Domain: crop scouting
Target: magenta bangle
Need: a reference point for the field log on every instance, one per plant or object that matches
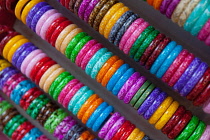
(89, 9)
(82, 8)
(205, 32)
(205, 135)
(164, 5)
(206, 106)
(207, 41)
(104, 130)
(171, 8)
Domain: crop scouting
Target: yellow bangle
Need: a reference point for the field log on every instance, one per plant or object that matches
(4, 65)
(3, 61)
(167, 115)
(113, 20)
(133, 134)
(19, 7)
(10, 43)
(15, 47)
(108, 15)
(140, 136)
(28, 8)
(161, 109)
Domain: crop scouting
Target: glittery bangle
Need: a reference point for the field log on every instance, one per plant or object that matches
(164, 5)
(198, 131)
(121, 130)
(204, 32)
(171, 8)
(203, 97)
(206, 135)
(90, 9)
(82, 8)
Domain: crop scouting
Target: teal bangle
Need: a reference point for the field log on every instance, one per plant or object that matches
(78, 47)
(139, 93)
(76, 97)
(100, 63)
(95, 59)
(55, 83)
(75, 40)
(11, 122)
(15, 126)
(39, 106)
(61, 85)
(4, 107)
(144, 96)
(188, 130)
(49, 121)
(198, 131)
(140, 40)
(81, 101)
(145, 44)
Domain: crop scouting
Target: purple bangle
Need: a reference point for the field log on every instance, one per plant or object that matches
(33, 11)
(206, 106)
(6, 76)
(155, 105)
(89, 9)
(205, 32)
(104, 130)
(148, 102)
(128, 84)
(164, 5)
(194, 79)
(114, 128)
(38, 15)
(82, 8)
(206, 134)
(134, 89)
(187, 74)
(171, 8)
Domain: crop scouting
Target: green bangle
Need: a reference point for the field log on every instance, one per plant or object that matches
(57, 121)
(78, 47)
(198, 131)
(140, 40)
(144, 96)
(82, 100)
(3, 103)
(75, 40)
(61, 85)
(188, 130)
(145, 44)
(139, 93)
(41, 104)
(55, 83)
(15, 126)
(4, 108)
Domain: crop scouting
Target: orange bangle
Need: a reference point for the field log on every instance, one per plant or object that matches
(111, 71)
(84, 136)
(19, 8)
(91, 109)
(106, 67)
(156, 4)
(86, 105)
(150, 2)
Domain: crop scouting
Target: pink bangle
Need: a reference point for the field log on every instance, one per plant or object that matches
(206, 134)
(206, 106)
(104, 130)
(83, 51)
(205, 32)
(47, 24)
(71, 94)
(134, 36)
(207, 41)
(33, 63)
(27, 60)
(129, 32)
(66, 89)
(44, 17)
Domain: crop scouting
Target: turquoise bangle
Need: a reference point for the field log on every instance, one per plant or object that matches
(100, 63)
(95, 59)
(163, 55)
(198, 131)
(168, 61)
(82, 100)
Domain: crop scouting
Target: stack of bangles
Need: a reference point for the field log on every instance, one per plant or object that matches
(15, 125)
(180, 69)
(130, 86)
(192, 15)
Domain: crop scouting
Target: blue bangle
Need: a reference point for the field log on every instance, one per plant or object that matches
(6, 76)
(168, 61)
(33, 11)
(116, 76)
(82, 100)
(38, 15)
(201, 22)
(161, 97)
(194, 79)
(99, 64)
(103, 116)
(94, 59)
(163, 55)
(76, 97)
(33, 134)
(96, 114)
(187, 74)
(196, 13)
(122, 80)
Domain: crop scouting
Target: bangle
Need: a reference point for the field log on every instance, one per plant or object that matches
(82, 8)
(156, 4)
(121, 130)
(128, 132)
(204, 32)
(15, 126)
(140, 135)
(77, 6)
(133, 134)
(171, 8)
(19, 8)
(206, 135)
(90, 9)
(206, 106)
(25, 130)
(71, 132)
(150, 2)
(68, 126)
(198, 131)
(85, 135)
(34, 133)
(164, 5)
(203, 97)
(6, 76)
(71, 5)
(50, 120)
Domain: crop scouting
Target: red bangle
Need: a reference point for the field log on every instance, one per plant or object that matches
(67, 4)
(43, 70)
(173, 120)
(10, 5)
(62, 2)
(32, 97)
(127, 133)
(199, 87)
(38, 66)
(122, 130)
(53, 26)
(20, 129)
(180, 125)
(58, 30)
(174, 66)
(3, 4)
(27, 128)
(203, 97)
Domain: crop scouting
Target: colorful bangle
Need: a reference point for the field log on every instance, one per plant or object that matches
(198, 131)
(170, 10)
(90, 9)
(19, 8)
(204, 96)
(82, 8)
(121, 130)
(204, 32)
(205, 135)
